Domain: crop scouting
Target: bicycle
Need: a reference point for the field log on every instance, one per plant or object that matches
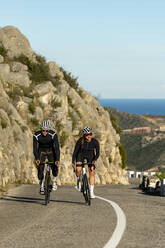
(84, 184)
(47, 182)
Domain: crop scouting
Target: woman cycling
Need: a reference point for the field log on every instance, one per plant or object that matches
(86, 148)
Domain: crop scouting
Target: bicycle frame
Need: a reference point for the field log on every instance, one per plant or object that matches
(85, 184)
(47, 185)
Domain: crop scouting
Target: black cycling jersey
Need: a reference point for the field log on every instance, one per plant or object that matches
(89, 150)
(46, 143)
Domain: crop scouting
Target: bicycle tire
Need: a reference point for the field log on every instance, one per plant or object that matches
(47, 188)
(86, 191)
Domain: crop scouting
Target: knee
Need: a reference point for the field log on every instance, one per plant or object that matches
(92, 172)
(78, 169)
(78, 173)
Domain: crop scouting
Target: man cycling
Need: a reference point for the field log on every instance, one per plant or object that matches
(86, 148)
(45, 145)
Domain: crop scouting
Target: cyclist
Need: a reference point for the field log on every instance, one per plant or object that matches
(86, 148)
(45, 145)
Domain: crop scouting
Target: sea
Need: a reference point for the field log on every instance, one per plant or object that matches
(136, 106)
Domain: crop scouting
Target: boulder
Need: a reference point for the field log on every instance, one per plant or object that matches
(18, 67)
(15, 42)
(54, 70)
(19, 78)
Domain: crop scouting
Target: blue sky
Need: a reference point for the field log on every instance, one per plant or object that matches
(116, 48)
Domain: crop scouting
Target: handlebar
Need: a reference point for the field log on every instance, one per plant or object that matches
(83, 164)
(48, 163)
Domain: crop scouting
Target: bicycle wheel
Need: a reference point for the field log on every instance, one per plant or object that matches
(47, 188)
(86, 191)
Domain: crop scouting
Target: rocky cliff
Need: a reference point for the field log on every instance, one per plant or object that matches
(32, 90)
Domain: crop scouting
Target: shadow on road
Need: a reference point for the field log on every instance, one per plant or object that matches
(23, 199)
(70, 202)
(149, 193)
(36, 200)
(135, 187)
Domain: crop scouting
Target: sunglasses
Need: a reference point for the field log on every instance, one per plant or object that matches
(44, 131)
(88, 134)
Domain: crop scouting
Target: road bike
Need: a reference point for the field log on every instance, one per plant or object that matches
(83, 184)
(47, 182)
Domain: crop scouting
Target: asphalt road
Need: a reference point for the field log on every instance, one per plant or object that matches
(25, 222)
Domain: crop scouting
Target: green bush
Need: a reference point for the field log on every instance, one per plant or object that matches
(4, 123)
(35, 122)
(74, 107)
(56, 81)
(3, 51)
(161, 176)
(110, 159)
(40, 59)
(55, 103)
(27, 91)
(72, 81)
(32, 108)
(115, 123)
(81, 93)
(70, 102)
(39, 72)
(78, 112)
(73, 119)
(59, 126)
(14, 93)
(2, 189)
(63, 138)
(24, 128)
(123, 155)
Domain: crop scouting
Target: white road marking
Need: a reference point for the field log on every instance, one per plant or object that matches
(120, 227)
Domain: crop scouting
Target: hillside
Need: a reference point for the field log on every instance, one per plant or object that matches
(129, 121)
(144, 151)
(32, 89)
(143, 158)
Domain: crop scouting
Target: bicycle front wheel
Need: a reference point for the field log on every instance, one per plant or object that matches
(47, 188)
(86, 191)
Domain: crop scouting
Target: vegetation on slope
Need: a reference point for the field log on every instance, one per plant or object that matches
(143, 158)
(139, 157)
(129, 121)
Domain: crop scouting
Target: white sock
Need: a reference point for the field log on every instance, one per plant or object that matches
(54, 179)
(92, 188)
(41, 183)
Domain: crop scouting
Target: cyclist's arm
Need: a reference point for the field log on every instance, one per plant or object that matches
(56, 147)
(97, 150)
(76, 150)
(35, 148)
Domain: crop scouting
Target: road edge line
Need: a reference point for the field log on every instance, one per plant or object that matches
(120, 227)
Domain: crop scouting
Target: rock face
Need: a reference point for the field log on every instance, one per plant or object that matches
(24, 102)
(15, 42)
